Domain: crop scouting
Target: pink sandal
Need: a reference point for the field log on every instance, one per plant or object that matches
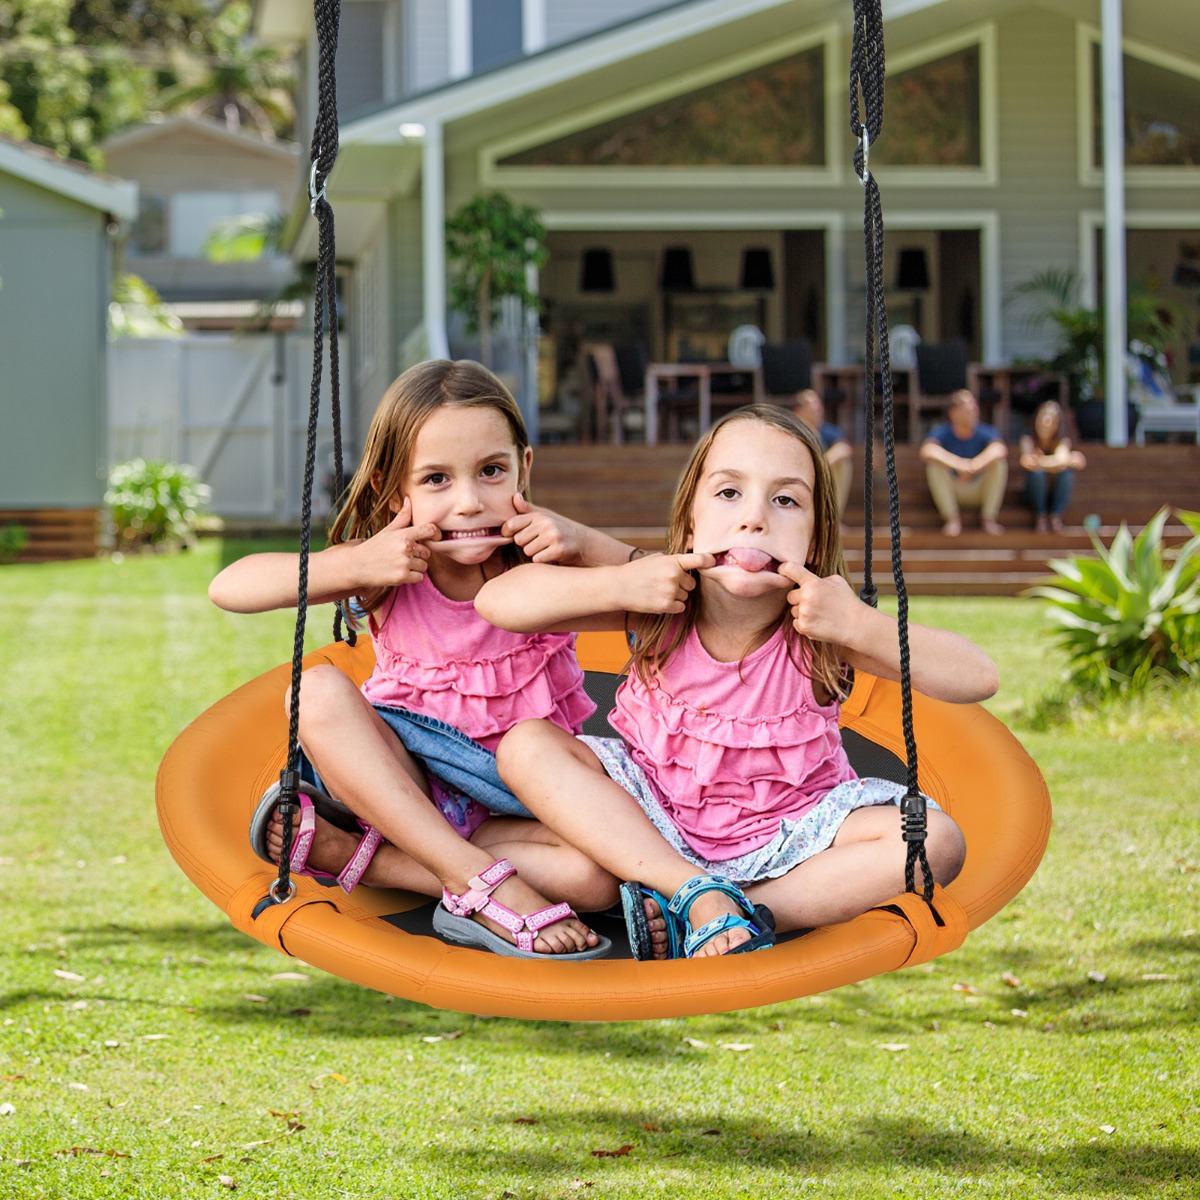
(452, 919)
(310, 799)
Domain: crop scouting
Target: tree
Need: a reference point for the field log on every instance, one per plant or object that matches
(235, 81)
(491, 242)
(73, 72)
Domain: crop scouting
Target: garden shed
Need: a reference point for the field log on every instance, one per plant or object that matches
(57, 235)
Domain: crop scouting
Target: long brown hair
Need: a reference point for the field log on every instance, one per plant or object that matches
(407, 404)
(659, 636)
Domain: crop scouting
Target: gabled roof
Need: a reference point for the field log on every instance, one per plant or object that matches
(643, 37)
(168, 127)
(75, 181)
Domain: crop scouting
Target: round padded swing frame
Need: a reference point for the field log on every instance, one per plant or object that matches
(216, 770)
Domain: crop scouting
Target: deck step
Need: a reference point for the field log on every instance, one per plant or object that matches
(627, 491)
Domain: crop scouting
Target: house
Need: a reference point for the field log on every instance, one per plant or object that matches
(59, 225)
(718, 129)
(192, 175)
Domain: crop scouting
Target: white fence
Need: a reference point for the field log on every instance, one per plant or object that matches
(233, 406)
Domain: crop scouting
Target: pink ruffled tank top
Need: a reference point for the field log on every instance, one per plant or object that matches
(438, 656)
(731, 749)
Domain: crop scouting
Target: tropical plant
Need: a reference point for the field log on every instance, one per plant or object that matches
(492, 242)
(1154, 324)
(137, 310)
(234, 81)
(1129, 616)
(155, 503)
(245, 238)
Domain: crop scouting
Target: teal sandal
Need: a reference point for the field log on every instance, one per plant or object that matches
(682, 940)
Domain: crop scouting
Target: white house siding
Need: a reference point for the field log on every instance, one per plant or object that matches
(1039, 195)
(374, 341)
(568, 19)
(428, 57)
(54, 268)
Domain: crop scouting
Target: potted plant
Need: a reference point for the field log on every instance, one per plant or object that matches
(492, 242)
(1153, 325)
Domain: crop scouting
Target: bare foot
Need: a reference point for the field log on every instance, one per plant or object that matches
(952, 527)
(990, 526)
(563, 937)
(657, 923)
(708, 906)
(331, 850)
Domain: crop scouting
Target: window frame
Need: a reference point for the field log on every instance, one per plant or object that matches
(1087, 37)
(986, 174)
(826, 37)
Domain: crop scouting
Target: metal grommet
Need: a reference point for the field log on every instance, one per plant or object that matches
(273, 891)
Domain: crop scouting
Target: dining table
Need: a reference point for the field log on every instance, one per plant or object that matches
(675, 373)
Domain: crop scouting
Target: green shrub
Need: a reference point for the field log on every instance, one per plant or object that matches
(154, 503)
(1130, 616)
(13, 539)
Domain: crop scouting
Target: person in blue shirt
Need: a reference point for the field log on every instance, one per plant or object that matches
(839, 454)
(966, 464)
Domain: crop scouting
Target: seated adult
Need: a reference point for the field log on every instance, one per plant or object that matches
(1050, 464)
(966, 464)
(839, 454)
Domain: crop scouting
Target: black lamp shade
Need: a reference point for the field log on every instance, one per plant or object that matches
(676, 270)
(596, 271)
(912, 270)
(758, 271)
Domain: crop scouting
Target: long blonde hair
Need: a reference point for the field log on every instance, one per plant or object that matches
(659, 636)
(407, 404)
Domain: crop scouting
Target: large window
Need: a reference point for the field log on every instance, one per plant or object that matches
(772, 116)
(932, 114)
(149, 235)
(1162, 114)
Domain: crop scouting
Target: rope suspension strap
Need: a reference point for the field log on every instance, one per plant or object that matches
(323, 154)
(867, 75)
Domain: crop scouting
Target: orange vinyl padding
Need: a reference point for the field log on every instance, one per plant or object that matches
(216, 770)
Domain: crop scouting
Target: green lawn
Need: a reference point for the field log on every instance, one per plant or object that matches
(147, 1049)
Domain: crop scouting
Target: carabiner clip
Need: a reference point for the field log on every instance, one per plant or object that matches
(314, 197)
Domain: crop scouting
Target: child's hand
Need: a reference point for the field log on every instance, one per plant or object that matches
(546, 537)
(397, 553)
(822, 606)
(660, 583)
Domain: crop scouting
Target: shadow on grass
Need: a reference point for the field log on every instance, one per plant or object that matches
(1063, 1007)
(882, 1144)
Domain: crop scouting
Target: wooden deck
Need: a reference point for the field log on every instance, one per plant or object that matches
(55, 534)
(627, 491)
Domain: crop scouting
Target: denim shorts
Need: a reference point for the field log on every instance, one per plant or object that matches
(465, 770)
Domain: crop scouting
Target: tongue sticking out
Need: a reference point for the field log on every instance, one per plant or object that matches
(747, 558)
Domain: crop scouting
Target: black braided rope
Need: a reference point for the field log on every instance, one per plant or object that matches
(867, 73)
(324, 153)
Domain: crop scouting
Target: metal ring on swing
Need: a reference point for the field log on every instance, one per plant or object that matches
(865, 142)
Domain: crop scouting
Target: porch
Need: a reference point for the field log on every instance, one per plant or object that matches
(594, 484)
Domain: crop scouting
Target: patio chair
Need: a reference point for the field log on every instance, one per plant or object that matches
(941, 371)
(612, 409)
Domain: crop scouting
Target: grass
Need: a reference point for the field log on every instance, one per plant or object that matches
(147, 1049)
